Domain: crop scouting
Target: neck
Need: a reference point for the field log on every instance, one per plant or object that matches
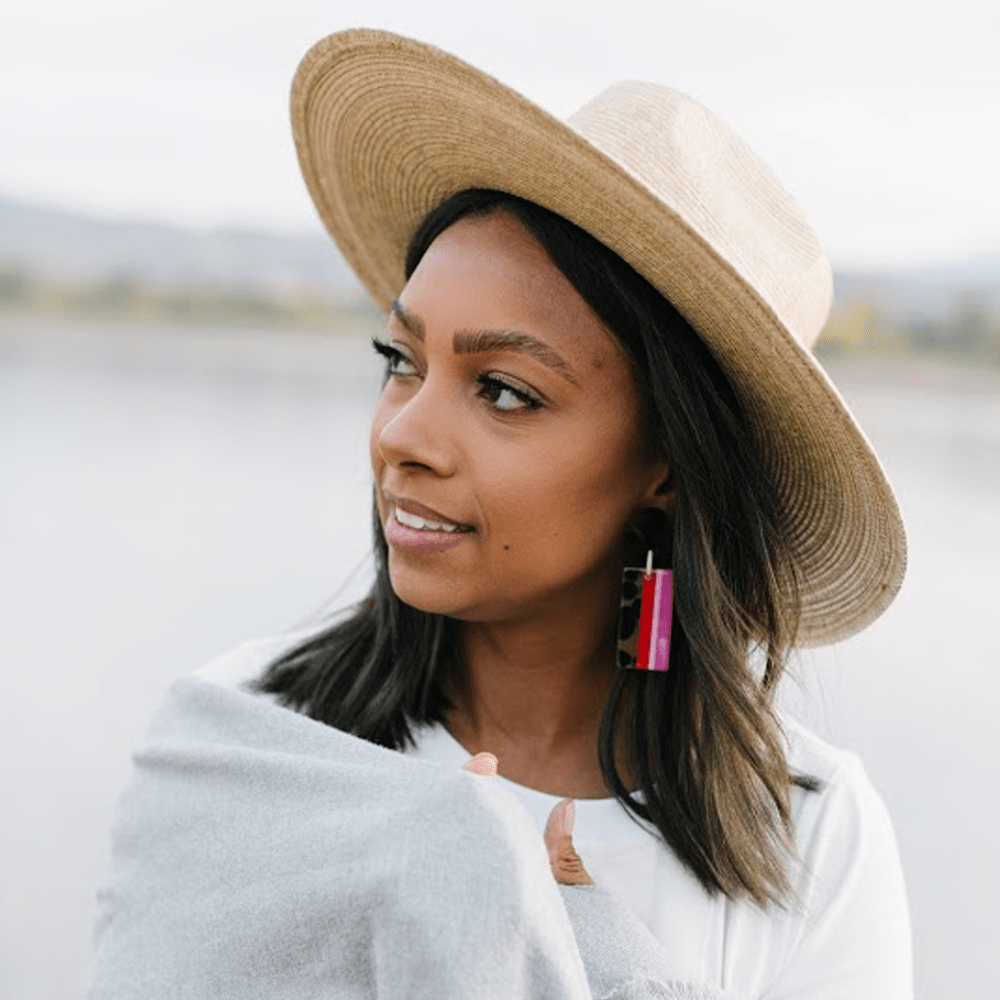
(532, 692)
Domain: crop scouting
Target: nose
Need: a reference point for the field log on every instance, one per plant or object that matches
(416, 432)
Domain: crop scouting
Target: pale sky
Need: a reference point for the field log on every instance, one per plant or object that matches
(881, 116)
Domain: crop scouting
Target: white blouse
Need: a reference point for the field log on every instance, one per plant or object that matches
(846, 938)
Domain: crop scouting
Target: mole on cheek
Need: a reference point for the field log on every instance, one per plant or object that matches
(506, 546)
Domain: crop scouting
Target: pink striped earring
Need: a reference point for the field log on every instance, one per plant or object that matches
(645, 616)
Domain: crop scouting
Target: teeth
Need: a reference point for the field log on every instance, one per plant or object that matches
(420, 523)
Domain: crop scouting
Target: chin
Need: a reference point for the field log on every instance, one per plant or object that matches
(430, 592)
(436, 594)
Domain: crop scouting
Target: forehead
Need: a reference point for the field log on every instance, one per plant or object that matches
(491, 273)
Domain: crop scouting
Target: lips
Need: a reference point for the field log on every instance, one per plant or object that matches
(419, 517)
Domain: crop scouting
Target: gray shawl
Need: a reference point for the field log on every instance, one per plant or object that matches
(259, 853)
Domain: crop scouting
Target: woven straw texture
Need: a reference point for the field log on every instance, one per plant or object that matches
(386, 128)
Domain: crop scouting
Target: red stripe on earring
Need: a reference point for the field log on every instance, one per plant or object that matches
(642, 657)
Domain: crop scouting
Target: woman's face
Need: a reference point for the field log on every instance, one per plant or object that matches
(507, 448)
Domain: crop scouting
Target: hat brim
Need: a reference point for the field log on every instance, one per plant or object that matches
(386, 128)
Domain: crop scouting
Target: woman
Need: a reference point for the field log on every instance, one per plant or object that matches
(596, 360)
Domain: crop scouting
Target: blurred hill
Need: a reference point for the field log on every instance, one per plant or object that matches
(54, 261)
(70, 264)
(924, 294)
(70, 247)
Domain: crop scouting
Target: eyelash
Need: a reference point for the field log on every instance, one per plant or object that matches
(391, 355)
(489, 384)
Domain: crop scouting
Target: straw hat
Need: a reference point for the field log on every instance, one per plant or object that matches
(386, 128)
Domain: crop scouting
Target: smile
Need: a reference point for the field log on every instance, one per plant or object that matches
(423, 524)
(411, 525)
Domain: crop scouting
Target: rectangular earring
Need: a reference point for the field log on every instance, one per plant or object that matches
(645, 616)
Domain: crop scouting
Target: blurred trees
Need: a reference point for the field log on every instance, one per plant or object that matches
(123, 297)
(967, 331)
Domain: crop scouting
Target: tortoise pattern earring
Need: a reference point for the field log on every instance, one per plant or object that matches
(645, 616)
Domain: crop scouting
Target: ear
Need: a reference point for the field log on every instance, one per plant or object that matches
(661, 492)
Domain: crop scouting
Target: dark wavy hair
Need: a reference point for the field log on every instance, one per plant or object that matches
(702, 743)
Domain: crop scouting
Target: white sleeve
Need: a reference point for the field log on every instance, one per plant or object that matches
(854, 942)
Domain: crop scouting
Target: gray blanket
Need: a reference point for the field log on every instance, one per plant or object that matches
(259, 853)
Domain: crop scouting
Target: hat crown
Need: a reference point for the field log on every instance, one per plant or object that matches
(707, 175)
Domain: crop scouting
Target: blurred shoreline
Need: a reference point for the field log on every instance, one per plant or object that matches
(283, 350)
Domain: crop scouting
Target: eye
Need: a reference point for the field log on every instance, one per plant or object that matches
(396, 362)
(504, 395)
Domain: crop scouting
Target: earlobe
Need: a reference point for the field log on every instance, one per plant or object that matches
(651, 527)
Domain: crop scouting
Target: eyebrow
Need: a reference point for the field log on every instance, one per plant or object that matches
(483, 341)
(411, 323)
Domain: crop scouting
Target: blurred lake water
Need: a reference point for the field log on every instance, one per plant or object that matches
(165, 494)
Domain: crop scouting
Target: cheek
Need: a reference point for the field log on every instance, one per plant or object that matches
(375, 457)
(380, 418)
(569, 500)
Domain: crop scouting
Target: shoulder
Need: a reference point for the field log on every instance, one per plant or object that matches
(245, 663)
(845, 814)
(844, 820)
(810, 754)
(848, 881)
